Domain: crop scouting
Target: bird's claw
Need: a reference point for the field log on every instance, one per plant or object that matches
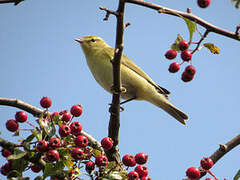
(116, 91)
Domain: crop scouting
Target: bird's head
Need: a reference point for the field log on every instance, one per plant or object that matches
(91, 43)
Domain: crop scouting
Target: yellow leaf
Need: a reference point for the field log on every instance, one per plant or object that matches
(214, 49)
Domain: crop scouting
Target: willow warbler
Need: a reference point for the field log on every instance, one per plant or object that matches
(137, 83)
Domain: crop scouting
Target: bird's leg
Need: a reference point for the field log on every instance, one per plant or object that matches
(114, 91)
(128, 100)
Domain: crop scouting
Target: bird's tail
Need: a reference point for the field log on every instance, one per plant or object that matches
(164, 104)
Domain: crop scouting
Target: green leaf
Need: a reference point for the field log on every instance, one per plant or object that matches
(175, 44)
(48, 126)
(39, 178)
(67, 160)
(214, 49)
(237, 3)
(14, 175)
(18, 154)
(175, 47)
(115, 176)
(37, 134)
(96, 152)
(60, 123)
(50, 129)
(237, 176)
(20, 164)
(49, 170)
(60, 165)
(53, 169)
(68, 163)
(179, 38)
(30, 138)
(56, 118)
(191, 28)
(18, 178)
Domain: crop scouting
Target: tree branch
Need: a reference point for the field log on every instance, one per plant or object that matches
(37, 112)
(223, 149)
(192, 17)
(114, 123)
(16, 2)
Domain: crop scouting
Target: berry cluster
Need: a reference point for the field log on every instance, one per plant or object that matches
(186, 56)
(69, 147)
(195, 172)
(140, 171)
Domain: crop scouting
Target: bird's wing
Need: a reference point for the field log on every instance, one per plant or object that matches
(125, 61)
(131, 65)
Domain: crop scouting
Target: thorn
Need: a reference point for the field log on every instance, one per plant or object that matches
(127, 24)
(223, 147)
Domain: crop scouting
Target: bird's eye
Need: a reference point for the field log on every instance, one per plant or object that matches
(93, 40)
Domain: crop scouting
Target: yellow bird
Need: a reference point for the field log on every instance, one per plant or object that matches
(138, 84)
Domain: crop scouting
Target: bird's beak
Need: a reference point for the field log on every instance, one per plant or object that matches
(79, 40)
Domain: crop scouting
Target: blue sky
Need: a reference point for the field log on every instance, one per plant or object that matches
(39, 57)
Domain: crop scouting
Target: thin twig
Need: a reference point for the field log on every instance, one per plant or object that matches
(210, 27)
(200, 41)
(108, 12)
(237, 30)
(16, 2)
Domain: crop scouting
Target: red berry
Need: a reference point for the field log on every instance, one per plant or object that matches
(90, 166)
(133, 175)
(141, 170)
(203, 3)
(76, 110)
(171, 54)
(206, 163)
(174, 67)
(145, 178)
(208, 179)
(46, 102)
(129, 160)
(6, 168)
(193, 173)
(6, 153)
(66, 116)
(81, 141)
(141, 158)
(77, 153)
(52, 155)
(42, 146)
(64, 130)
(35, 168)
(107, 143)
(76, 128)
(191, 70)
(183, 45)
(101, 160)
(12, 125)
(186, 55)
(21, 116)
(186, 77)
(54, 143)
